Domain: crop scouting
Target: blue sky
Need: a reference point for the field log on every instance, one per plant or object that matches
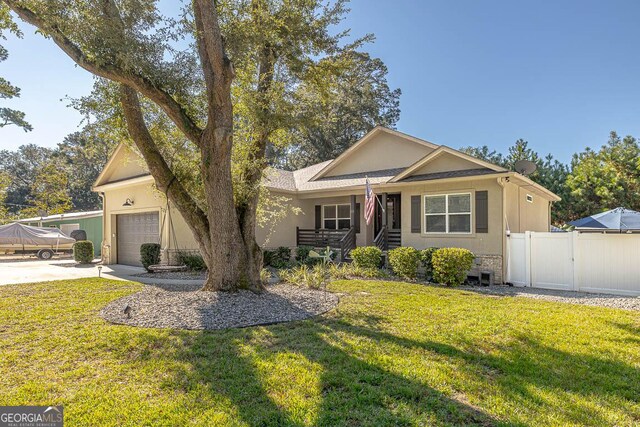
(560, 74)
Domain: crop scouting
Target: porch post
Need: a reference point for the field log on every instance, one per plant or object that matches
(353, 210)
(384, 221)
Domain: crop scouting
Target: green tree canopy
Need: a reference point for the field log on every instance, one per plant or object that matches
(49, 192)
(607, 178)
(9, 116)
(22, 166)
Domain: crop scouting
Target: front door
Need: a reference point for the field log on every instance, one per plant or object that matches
(392, 213)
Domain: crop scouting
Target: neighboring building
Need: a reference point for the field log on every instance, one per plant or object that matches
(90, 222)
(434, 196)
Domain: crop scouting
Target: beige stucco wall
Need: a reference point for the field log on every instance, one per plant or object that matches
(523, 215)
(446, 162)
(479, 243)
(283, 233)
(125, 164)
(383, 151)
(145, 199)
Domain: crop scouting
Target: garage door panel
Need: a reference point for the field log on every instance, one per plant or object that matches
(132, 231)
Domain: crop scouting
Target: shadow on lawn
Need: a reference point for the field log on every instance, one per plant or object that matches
(356, 392)
(352, 391)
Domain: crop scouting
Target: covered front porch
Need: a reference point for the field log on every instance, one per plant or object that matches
(337, 225)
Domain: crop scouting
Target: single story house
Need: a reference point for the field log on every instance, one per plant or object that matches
(90, 222)
(432, 195)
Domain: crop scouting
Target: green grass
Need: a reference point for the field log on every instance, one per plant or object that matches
(390, 354)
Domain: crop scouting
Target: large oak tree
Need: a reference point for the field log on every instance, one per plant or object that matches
(217, 83)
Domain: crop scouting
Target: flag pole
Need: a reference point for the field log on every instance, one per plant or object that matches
(377, 200)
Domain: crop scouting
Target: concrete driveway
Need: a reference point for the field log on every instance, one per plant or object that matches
(30, 271)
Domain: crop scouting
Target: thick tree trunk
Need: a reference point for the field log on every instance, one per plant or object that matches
(235, 258)
(225, 235)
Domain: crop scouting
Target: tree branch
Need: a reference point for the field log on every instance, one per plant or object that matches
(217, 67)
(140, 83)
(165, 179)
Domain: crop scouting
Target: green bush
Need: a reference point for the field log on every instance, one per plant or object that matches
(302, 255)
(451, 265)
(149, 254)
(426, 256)
(277, 258)
(193, 261)
(367, 256)
(83, 251)
(404, 262)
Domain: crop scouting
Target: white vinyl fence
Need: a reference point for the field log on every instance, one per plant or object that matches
(586, 262)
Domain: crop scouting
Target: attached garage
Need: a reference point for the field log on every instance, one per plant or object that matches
(132, 230)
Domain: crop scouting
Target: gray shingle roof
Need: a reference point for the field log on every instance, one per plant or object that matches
(299, 180)
(279, 179)
(448, 174)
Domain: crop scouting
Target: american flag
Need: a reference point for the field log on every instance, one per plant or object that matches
(370, 203)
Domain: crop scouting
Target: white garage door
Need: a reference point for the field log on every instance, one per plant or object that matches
(132, 231)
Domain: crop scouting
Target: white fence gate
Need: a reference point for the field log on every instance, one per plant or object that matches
(587, 262)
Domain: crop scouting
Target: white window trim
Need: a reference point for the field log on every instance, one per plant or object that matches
(336, 219)
(447, 214)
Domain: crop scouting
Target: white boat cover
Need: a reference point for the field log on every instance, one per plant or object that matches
(20, 234)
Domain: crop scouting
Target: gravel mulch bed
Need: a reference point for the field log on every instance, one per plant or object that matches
(175, 275)
(185, 307)
(602, 300)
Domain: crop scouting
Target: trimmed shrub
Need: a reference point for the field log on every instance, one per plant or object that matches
(149, 254)
(193, 261)
(404, 262)
(367, 256)
(451, 265)
(277, 258)
(426, 256)
(83, 251)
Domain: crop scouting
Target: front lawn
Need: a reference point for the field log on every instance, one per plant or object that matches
(390, 354)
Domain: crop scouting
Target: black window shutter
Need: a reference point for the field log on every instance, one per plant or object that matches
(415, 214)
(357, 224)
(482, 212)
(318, 217)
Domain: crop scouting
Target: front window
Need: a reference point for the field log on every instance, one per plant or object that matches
(336, 217)
(447, 213)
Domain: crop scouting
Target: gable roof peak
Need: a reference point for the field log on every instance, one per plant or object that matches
(363, 141)
(443, 149)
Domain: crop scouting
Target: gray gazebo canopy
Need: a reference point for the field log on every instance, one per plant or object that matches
(20, 234)
(618, 219)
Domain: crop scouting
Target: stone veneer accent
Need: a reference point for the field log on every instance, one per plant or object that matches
(491, 263)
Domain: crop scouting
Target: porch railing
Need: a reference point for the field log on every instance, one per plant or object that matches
(394, 239)
(381, 239)
(388, 239)
(319, 237)
(344, 240)
(348, 243)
